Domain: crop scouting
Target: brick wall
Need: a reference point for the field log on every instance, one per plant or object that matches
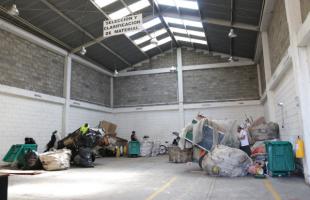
(164, 60)
(189, 57)
(28, 66)
(262, 73)
(145, 89)
(89, 85)
(278, 35)
(196, 57)
(305, 8)
(220, 84)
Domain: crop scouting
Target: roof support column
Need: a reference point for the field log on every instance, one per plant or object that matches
(180, 88)
(301, 67)
(112, 91)
(270, 94)
(67, 94)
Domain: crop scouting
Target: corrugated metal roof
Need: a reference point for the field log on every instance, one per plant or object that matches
(120, 51)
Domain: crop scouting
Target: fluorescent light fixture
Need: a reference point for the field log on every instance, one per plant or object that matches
(160, 42)
(179, 3)
(139, 5)
(142, 39)
(83, 51)
(232, 33)
(192, 40)
(13, 11)
(151, 23)
(104, 3)
(119, 14)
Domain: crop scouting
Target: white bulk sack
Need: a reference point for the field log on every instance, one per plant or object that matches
(146, 147)
(56, 160)
(226, 161)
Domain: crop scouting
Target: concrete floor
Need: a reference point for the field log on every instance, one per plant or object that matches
(150, 178)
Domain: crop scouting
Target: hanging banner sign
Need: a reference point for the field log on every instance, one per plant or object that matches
(123, 25)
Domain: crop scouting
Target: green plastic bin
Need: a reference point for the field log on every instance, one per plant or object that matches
(17, 152)
(133, 148)
(280, 158)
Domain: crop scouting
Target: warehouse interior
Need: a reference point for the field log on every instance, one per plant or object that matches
(192, 66)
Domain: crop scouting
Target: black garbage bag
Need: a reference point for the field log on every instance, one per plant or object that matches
(84, 158)
(105, 152)
(90, 139)
(31, 161)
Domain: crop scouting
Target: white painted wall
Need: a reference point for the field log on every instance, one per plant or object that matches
(23, 117)
(160, 124)
(285, 93)
(157, 124)
(266, 110)
(227, 113)
(23, 114)
(79, 116)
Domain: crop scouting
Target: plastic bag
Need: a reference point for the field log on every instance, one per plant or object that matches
(146, 147)
(84, 157)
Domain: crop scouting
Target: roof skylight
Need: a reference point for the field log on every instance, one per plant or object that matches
(192, 40)
(139, 5)
(190, 32)
(151, 23)
(104, 3)
(119, 14)
(160, 42)
(147, 37)
(179, 3)
(185, 21)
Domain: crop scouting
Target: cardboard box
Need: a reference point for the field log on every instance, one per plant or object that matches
(109, 127)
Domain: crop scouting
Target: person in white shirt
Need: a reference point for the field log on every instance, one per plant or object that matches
(244, 140)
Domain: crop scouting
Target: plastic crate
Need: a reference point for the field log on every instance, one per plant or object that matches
(17, 151)
(133, 148)
(280, 158)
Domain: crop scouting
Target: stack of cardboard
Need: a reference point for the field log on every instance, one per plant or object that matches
(108, 127)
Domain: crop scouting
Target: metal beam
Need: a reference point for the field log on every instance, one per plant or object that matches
(157, 9)
(52, 7)
(180, 16)
(102, 38)
(204, 28)
(126, 6)
(228, 24)
(25, 22)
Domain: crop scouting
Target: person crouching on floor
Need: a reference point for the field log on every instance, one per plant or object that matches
(244, 140)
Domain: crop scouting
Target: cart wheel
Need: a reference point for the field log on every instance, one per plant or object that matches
(200, 160)
(162, 149)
